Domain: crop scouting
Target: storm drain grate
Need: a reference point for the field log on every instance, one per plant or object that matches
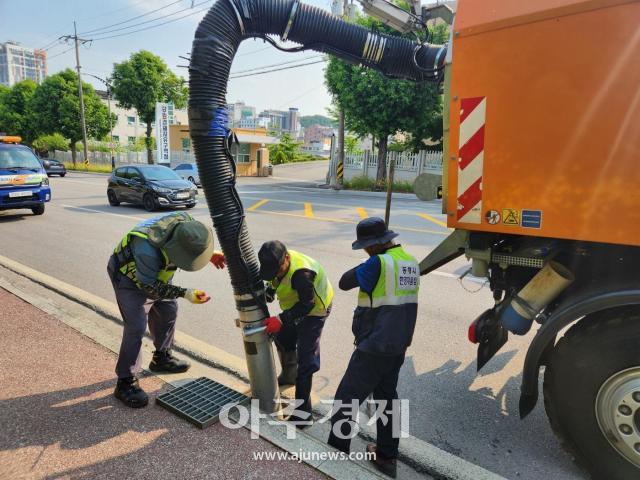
(200, 401)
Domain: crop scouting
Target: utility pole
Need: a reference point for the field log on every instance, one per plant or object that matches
(77, 42)
(339, 172)
(107, 83)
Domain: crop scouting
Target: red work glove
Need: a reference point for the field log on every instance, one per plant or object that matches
(273, 324)
(218, 260)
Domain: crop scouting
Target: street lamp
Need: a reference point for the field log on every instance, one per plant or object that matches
(107, 83)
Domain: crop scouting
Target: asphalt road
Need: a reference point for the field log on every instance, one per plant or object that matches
(471, 415)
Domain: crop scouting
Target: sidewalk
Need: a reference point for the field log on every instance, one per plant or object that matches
(60, 420)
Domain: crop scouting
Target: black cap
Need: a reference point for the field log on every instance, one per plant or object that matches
(372, 231)
(271, 255)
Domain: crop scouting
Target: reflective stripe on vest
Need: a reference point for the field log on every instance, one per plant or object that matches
(158, 225)
(398, 283)
(288, 297)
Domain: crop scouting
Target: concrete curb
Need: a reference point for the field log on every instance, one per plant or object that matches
(418, 454)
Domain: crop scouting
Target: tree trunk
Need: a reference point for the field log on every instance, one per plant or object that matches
(382, 164)
(73, 153)
(148, 143)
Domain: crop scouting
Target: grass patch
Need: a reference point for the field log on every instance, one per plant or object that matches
(81, 167)
(367, 184)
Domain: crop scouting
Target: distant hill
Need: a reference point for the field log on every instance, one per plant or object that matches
(307, 120)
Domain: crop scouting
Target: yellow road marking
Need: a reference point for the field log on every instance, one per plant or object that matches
(308, 210)
(257, 205)
(362, 212)
(431, 219)
(338, 220)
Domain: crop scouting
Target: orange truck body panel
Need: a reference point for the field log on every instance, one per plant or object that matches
(546, 95)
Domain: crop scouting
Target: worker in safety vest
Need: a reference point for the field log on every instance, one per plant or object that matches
(383, 325)
(305, 295)
(141, 269)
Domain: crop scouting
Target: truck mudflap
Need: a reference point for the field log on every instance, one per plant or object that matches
(489, 334)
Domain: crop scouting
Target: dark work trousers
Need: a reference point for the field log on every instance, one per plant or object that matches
(303, 336)
(366, 374)
(137, 310)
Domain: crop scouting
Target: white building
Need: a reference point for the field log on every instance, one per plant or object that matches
(129, 126)
(251, 123)
(19, 63)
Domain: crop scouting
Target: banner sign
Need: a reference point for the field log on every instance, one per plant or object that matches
(162, 134)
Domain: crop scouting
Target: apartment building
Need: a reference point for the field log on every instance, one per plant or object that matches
(19, 63)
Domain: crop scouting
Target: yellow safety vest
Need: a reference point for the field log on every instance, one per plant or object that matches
(156, 231)
(288, 297)
(398, 283)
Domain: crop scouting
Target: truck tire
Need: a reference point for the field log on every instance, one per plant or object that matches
(591, 386)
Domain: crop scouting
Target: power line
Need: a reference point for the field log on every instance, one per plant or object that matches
(278, 69)
(157, 25)
(56, 37)
(96, 31)
(112, 11)
(290, 101)
(61, 53)
(255, 51)
(275, 65)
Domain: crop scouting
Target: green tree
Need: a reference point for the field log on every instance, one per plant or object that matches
(285, 151)
(55, 108)
(351, 144)
(141, 82)
(48, 143)
(14, 110)
(376, 105)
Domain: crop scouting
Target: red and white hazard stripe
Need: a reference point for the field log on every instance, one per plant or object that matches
(470, 159)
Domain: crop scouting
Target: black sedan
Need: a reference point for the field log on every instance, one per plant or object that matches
(53, 167)
(153, 186)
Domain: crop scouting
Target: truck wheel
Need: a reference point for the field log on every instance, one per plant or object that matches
(592, 393)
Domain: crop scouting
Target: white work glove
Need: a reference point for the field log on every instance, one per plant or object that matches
(197, 296)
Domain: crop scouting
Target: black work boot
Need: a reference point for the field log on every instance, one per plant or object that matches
(302, 416)
(289, 364)
(388, 466)
(165, 362)
(128, 391)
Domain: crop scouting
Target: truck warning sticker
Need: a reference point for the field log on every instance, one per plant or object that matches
(492, 217)
(531, 218)
(510, 216)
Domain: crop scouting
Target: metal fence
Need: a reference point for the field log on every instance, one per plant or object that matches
(104, 158)
(408, 165)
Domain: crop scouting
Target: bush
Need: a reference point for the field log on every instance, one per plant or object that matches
(366, 183)
(49, 143)
(81, 167)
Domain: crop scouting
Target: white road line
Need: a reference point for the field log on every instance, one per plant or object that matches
(104, 213)
(87, 184)
(329, 205)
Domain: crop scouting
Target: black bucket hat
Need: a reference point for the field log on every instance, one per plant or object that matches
(372, 231)
(271, 255)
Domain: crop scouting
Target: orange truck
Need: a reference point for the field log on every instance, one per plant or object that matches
(542, 186)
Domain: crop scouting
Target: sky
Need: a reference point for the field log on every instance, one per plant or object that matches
(39, 23)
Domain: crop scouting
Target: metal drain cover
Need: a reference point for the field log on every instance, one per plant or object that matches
(200, 401)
